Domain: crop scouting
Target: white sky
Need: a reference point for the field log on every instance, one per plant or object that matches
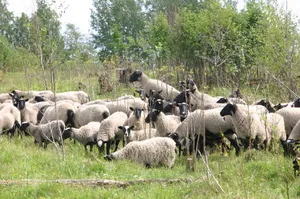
(78, 11)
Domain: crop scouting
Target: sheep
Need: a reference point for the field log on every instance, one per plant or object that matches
(194, 98)
(10, 118)
(215, 127)
(164, 124)
(247, 125)
(109, 131)
(137, 119)
(76, 96)
(86, 135)
(131, 134)
(102, 102)
(29, 112)
(47, 94)
(276, 126)
(291, 116)
(124, 105)
(4, 97)
(168, 92)
(88, 113)
(158, 151)
(267, 104)
(45, 133)
(62, 111)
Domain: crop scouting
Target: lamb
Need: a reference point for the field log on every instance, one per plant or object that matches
(247, 126)
(45, 133)
(124, 105)
(164, 124)
(291, 116)
(109, 131)
(88, 113)
(76, 96)
(137, 119)
(168, 92)
(86, 135)
(62, 111)
(137, 135)
(158, 151)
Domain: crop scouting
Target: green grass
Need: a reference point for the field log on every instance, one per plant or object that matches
(254, 174)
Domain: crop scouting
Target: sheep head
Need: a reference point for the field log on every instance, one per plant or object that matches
(135, 76)
(229, 109)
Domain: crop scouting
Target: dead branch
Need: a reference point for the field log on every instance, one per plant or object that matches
(98, 182)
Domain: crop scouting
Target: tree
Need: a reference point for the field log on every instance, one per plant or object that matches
(21, 34)
(117, 25)
(6, 21)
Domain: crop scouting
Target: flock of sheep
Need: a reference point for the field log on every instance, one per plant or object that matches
(152, 125)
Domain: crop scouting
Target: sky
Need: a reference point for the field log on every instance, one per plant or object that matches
(77, 12)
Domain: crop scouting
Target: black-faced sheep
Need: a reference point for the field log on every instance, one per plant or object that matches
(86, 135)
(137, 119)
(137, 135)
(75, 96)
(45, 133)
(164, 124)
(158, 151)
(89, 113)
(109, 130)
(248, 127)
(168, 92)
(291, 116)
(124, 105)
(60, 111)
(10, 118)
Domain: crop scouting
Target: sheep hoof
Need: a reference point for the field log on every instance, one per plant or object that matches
(108, 158)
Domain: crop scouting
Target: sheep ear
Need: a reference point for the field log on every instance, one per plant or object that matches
(132, 127)
(121, 127)
(131, 108)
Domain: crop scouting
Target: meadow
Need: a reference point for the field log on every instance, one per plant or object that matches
(28, 171)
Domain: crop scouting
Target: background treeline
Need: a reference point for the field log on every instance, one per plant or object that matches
(211, 41)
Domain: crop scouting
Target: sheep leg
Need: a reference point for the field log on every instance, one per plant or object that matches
(117, 144)
(107, 147)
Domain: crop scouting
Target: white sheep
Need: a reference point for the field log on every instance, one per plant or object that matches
(213, 125)
(31, 94)
(60, 111)
(88, 113)
(291, 116)
(109, 130)
(137, 119)
(248, 126)
(168, 92)
(137, 135)
(86, 135)
(4, 97)
(75, 96)
(158, 151)
(124, 105)
(45, 133)
(164, 124)
(10, 118)
(276, 127)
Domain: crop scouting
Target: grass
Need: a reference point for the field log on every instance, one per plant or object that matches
(253, 174)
